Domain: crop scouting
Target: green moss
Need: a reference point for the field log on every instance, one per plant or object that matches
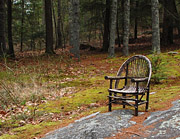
(163, 94)
(5, 74)
(177, 57)
(7, 136)
(76, 83)
(76, 100)
(29, 131)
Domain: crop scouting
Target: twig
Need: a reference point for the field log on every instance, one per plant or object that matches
(7, 67)
(132, 133)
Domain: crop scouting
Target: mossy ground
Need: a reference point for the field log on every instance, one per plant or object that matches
(88, 95)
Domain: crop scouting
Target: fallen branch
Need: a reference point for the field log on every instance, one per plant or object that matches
(132, 133)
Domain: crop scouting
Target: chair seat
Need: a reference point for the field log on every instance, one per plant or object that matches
(127, 90)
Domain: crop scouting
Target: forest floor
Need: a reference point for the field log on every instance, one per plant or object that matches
(41, 93)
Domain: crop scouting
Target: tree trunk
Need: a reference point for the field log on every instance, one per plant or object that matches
(2, 28)
(113, 17)
(9, 19)
(117, 27)
(118, 34)
(122, 23)
(176, 16)
(155, 27)
(49, 27)
(33, 47)
(22, 25)
(74, 28)
(167, 36)
(55, 25)
(126, 27)
(59, 45)
(136, 20)
(106, 27)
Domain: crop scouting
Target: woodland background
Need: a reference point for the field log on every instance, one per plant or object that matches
(49, 24)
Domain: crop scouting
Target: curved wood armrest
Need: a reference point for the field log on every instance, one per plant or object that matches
(113, 77)
(139, 79)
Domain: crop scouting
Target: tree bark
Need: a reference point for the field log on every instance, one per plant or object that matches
(49, 27)
(22, 25)
(74, 28)
(176, 16)
(9, 19)
(118, 34)
(168, 21)
(126, 27)
(136, 20)
(59, 34)
(155, 27)
(2, 28)
(106, 27)
(113, 28)
(55, 25)
(117, 27)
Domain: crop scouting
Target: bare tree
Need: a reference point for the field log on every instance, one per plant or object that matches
(126, 25)
(9, 19)
(136, 19)
(170, 18)
(22, 25)
(155, 27)
(106, 27)
(59, 34)
(49, 27)
(55, 24)
(2, 28)
(112, 28)
(74, 27)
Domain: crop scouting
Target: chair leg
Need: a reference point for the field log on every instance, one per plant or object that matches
(110, 101)
(124, 106)
(110, 105)
(136, 106)
(147, 99)
(136, 111)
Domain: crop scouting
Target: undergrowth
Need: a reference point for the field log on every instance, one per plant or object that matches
(158, 68)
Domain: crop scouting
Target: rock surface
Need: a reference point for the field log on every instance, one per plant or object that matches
(101, 126)
(163, 125)
(166, 124)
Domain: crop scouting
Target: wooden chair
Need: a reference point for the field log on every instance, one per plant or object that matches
(132, 83)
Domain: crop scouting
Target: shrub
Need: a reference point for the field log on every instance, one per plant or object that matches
(158, 68)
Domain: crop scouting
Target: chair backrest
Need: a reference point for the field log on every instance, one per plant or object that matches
(137, 66)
